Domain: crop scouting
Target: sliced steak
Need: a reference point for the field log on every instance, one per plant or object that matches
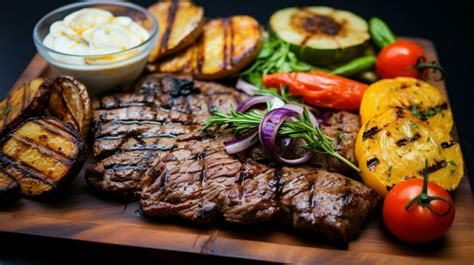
(200, 180)
(328, 203)
(133, 130)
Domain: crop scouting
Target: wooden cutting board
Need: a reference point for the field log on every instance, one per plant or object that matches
(82, 216)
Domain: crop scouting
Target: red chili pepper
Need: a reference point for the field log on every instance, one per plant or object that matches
(320, 89)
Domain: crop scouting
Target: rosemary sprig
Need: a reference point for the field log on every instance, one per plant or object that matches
(316, 140)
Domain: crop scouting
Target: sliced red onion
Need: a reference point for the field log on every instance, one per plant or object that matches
(253, 101)
(299, 109)
(241, 143)
(246, 87)
(268, 132)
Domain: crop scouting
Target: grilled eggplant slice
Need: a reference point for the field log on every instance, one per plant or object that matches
(42, 154)
(9, 189)
(70, 102)
(28, 99)
(226, 46)
(180, 24)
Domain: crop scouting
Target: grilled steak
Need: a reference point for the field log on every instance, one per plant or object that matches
(328, 203)
(150, 139)
(133, 130)
(199, 181)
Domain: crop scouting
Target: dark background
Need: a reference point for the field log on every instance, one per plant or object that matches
(449, 24)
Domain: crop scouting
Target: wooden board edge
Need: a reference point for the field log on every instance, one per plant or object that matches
(200, 244)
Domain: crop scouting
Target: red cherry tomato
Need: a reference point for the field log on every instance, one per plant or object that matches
(418, 223)
(399, 59)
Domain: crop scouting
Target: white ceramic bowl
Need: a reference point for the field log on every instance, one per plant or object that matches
(99, 77)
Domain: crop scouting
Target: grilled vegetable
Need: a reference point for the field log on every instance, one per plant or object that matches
(422, 99)
(9, 189)
(226, 46)
(393, 145)
(321, 36)
(29, 98)
(320, 89)
(42, 154)
(70, 102)
(180, 24)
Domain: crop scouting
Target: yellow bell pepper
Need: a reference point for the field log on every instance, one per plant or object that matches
(422, 99)
(393, 145)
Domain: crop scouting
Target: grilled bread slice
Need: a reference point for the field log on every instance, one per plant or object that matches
(9, 189)
(25, 100)
(180, 24)
(226, 46)
(70, 102)
(42, 154)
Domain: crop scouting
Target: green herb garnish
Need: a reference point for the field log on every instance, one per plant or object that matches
(316, 139)
(274, 57)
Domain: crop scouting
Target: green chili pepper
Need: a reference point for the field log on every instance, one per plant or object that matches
(380, 32)
(356, 66)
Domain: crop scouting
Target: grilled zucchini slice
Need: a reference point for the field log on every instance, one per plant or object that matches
(180, 24)
(226, 46)
(9, 189)
(422, 99)
(393, 146)
(70, 102)
(321, 36)
(42, 154)
(28, 99)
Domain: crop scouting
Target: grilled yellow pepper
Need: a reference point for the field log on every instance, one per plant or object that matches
(422, 99)
(393, 145)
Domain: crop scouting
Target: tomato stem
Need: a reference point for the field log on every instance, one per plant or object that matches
(421, 66)
(424, 200)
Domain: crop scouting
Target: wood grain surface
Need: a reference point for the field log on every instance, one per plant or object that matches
(77, 214)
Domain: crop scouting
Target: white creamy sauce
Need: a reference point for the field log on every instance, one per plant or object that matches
(92, 31)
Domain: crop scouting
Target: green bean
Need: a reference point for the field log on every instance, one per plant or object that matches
(356, 66)
(380, 32)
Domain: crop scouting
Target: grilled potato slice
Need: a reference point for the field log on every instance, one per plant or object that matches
(42, 154)
(25, 100)
(180, 24)
(422, 99)
(226, 46)
(9, 189)
(70, 102)
(393, 146)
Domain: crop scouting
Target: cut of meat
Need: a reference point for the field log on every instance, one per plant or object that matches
(134, 130)
(328, 203)
(199, 181)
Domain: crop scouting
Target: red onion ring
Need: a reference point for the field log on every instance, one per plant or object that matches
(253, 101)
(268, 130)
(246, 87)
(241, 143)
